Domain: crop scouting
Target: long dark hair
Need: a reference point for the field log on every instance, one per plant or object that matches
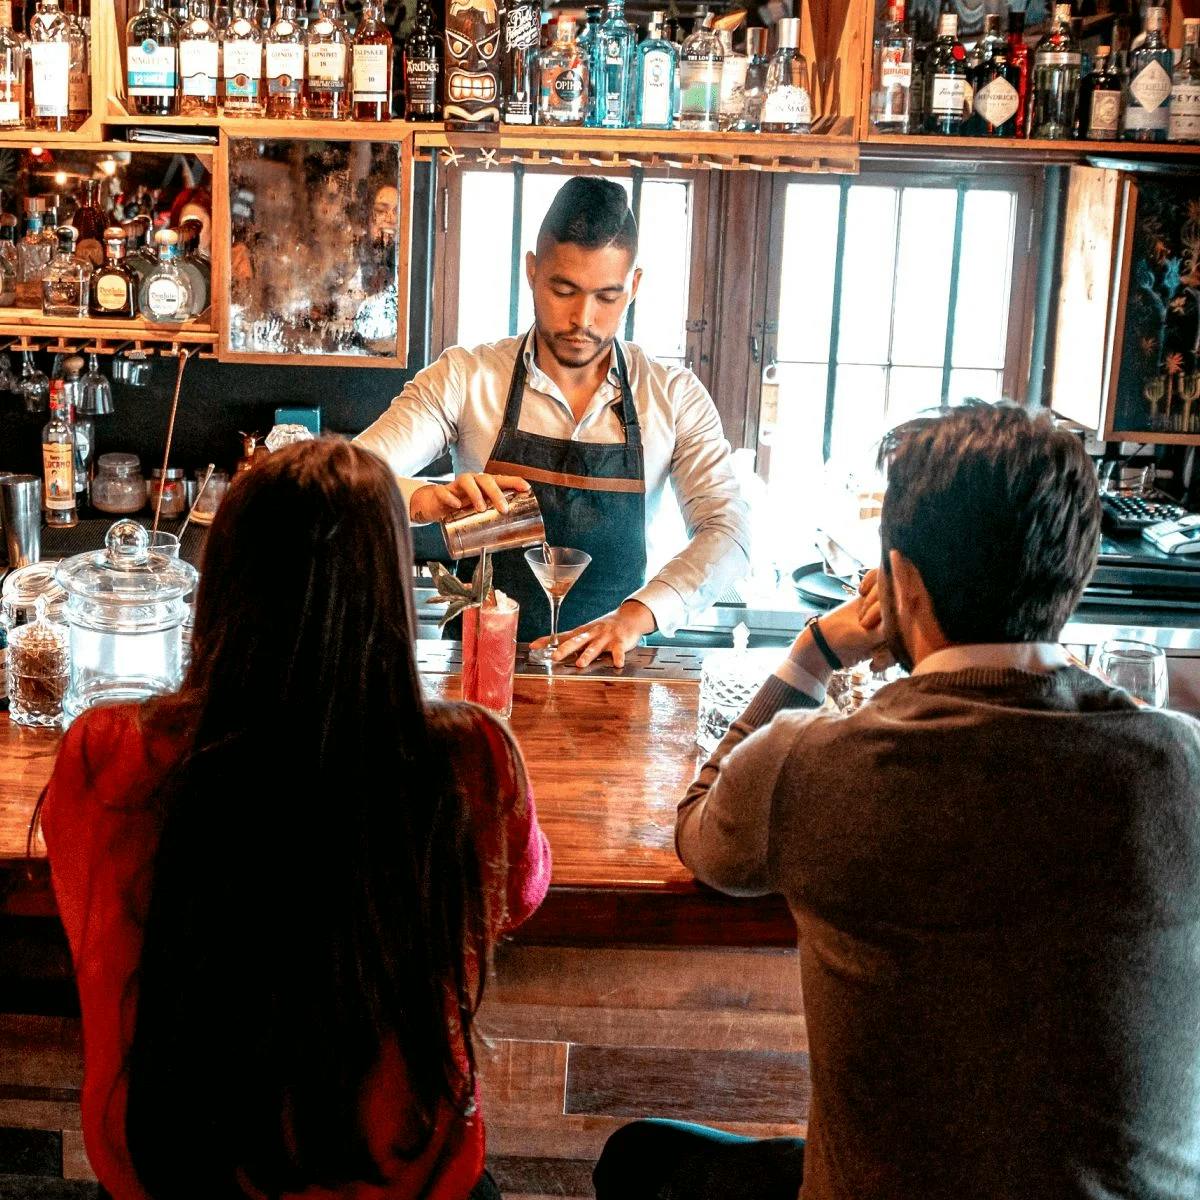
(316, 891)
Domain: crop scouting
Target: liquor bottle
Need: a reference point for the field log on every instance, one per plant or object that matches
(87, 217)
(79, 70)
(654, 78)
(9, 266)
(1184, 122)
(67, 282)
(284, 53)
(1056, 66)
(734, 67)
(114, 286)
(787, 107)
(58, 462)
(1100, 99)
(371, 67)
(522, 37)
(589, 48)
(50, 67)
(152, 67)
(1018, 56)
(700, 62)
(139, 258)
(13, 50)
(946, 79)
(614, 84)
(1148, 90)
(33, 257)
(563, 81)
(328, 60)
(891, 92)
(199, 68)
(166, 292)
(423, 69)
(195, 264)
(242, 64)
(758, 62)
(994, 84)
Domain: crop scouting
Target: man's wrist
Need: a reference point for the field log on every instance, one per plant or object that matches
(638, 615)
(808, 657)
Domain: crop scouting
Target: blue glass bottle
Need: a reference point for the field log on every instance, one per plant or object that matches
(616, 47)
(656, 78)
(588, 43)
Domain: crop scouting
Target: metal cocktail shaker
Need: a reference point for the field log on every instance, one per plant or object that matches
(470, 533)
(21, 516)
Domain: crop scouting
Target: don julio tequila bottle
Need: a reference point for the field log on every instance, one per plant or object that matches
(891, 92)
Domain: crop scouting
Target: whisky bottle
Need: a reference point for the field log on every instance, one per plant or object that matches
(328, 61)
(50, 66)
(13, 50)
(242, 64)
(114, 286)
(285, 64)
(152, 62)
(79, 70)
(1148, 91)
(58, 462)
(199, 52)
(423, 69)
(166, 293)
(67, 282)
(371, 68)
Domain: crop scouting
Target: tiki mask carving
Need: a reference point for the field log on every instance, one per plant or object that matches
(472, 62)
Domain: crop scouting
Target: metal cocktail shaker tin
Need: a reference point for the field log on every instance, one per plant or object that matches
(470, 533)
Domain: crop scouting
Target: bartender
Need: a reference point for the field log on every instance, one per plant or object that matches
(594, 425)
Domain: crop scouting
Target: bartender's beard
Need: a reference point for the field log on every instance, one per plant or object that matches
(892, 632)
(573, 356)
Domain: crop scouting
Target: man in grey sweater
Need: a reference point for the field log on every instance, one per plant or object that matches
(994, 867)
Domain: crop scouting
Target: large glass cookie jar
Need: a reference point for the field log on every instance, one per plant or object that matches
(125, 610)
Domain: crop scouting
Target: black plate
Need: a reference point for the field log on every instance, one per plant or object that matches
(816, 588)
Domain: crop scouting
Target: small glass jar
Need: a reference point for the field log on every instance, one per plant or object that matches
(209, 500)
(39, 670)
(118, 486)
(174, 495)
(23, 587)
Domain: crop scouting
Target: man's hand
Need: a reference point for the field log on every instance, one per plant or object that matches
(613, 633)
(854, 631)
(437, 501)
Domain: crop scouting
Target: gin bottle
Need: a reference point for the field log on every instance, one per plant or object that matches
(50, 67)
(946, 79)
(67, 282)
(654, 78)
(891, 92)
(563, 83)
(1148, 91)
(522, 36)
(612, 87)
(734, 68)
(700, 63)
(1184, 123)
(242, 64)
(284, 54)
(198, 66)
(1018, 55)
(787, 107)
(588, 42)
(1056, 69)
(13, 49)
(371, 68)
(994, 83)
(1101, 98)
(151, 59)
(754, 90)
(328, 60)
(166, 293)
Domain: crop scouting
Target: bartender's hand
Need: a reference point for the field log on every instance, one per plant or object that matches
(613, 633)
(854, 631)
(475, 489)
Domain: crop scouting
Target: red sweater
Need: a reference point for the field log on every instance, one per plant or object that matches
(102, 831)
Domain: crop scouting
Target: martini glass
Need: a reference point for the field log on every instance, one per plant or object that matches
(556, 568)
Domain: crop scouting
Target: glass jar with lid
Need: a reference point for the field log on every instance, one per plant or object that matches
(125, 609)
(174, 495)
(22, 587)
(118, 486)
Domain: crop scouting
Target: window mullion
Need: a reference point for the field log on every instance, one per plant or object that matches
(635, 205)
(836, 320)
(514, 276)
(952, 307)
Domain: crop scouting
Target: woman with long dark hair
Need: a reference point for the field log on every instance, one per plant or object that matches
(281, 885)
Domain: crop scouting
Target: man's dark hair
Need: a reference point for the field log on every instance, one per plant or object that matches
(592, 213)
(1000, 513)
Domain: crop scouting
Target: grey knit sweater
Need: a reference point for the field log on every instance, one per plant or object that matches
(996, 880)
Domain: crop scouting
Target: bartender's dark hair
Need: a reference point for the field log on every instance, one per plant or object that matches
(999, 511)
(590, 212)
(316, 902)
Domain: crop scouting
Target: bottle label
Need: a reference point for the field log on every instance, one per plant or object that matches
(787, 105)
(523, 27)
(949, 97)
(243, 69)
(1184, 125)
(50, 63)
(1058, 58)
(894, 72)
(58, 466)
(699, 88)
(421, 82)
(658, 78)
(112, 293)
(567, 89)
(152, 69)
(370, 72)
(1106, 113)
(198, 67)
(10, 110)
(164, 298)
(285, 69)
(1151, 88)
(997, 102)
(327, 66)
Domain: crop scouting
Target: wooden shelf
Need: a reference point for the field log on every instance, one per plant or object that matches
(29, 329)
(262, 127)
(931, 145)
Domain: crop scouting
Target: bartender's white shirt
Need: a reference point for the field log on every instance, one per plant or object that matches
(458, 402)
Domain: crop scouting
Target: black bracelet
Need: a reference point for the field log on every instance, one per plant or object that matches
(813, 626)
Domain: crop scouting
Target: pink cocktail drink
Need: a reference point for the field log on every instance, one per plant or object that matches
(489, 653)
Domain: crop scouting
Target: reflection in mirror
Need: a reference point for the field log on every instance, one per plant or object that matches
(315, 235)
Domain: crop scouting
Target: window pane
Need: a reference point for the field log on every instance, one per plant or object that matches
(981, 317)
(806, 289)
(858, 412)
(660, 312)
(485, 246)
(911, 391)
(868, 272)
(923, 276)
(977, 385)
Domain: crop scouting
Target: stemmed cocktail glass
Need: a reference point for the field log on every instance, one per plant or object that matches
(556, 568)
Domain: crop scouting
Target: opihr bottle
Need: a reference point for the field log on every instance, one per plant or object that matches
(1101, 97)
(946, 79)
(328, 62)
(891, 91)
(1148, 89)
(67, 282)
(198, 63)
(423, 69)
(1056, 69)
(654, 78)
(994, 81)
(617, 44)
(152, 62)
(166, 294)
(50, 67)
(1018, 55)
(733, 82)
(58, 462)
(242, 64)
(563, 83)
(1184, 122)
(114, 286)
(371, 67)
(700, 61)
(787, 107)
(522, 37)
(284, 53)
(13, 49)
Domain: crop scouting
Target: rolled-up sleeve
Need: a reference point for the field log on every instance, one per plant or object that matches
(714, 512)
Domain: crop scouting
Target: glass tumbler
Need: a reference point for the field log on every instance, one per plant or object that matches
(1137, 667)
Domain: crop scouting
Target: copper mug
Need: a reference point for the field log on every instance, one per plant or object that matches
(469, 533)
